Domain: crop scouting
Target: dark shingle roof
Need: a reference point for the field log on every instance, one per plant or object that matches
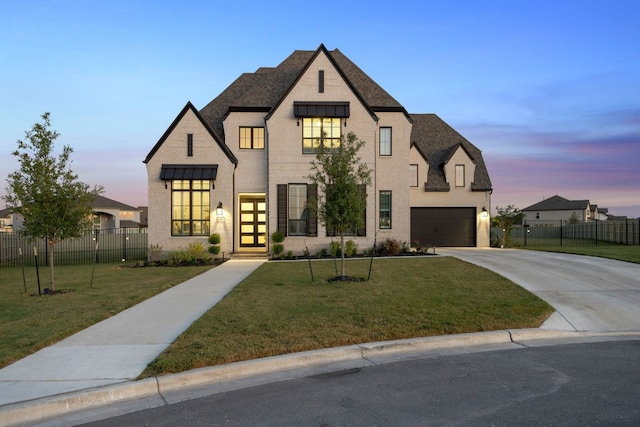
(101, 202)
(437, 141)
(265, 88)
(557, 203)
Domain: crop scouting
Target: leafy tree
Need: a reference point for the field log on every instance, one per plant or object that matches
(340, 175)
(506, 218)
(574, 219)
(54, 205)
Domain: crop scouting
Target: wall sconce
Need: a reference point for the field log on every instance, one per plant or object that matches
(484, 212)
(219, 209)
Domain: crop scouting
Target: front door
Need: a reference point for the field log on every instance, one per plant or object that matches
(253, 222)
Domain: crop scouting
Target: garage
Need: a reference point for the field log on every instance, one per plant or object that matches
(443, 226)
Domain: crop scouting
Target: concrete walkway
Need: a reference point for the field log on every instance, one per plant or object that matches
(118, 349)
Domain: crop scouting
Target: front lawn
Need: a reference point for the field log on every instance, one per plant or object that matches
(278, 309)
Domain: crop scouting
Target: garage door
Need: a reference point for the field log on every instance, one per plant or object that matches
(443, 226)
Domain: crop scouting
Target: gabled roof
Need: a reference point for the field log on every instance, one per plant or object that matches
(101, 202)
(557, 203)
(437, 141)
(4, 213)
(265, 89)
(187, 108)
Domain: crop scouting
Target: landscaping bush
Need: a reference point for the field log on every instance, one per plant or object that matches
(214, 241)
(277, 237)
(389, 247)
(350, 248)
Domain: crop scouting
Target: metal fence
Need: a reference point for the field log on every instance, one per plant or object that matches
(560, 233)
(111, 245)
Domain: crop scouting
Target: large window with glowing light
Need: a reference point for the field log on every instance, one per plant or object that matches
(320, 130)
(190, 214)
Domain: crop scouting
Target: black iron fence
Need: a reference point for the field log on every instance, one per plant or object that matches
(111, 245)
(561, 233)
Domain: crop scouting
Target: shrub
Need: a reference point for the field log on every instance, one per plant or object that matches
(334, 249)
(350, 248)
(277, 249)
(196, 250)
(179, 258)
(214, 249)
(214, 239)
(389, 247)
(277, 237)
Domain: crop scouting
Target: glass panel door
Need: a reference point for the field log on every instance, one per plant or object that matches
(253, 222)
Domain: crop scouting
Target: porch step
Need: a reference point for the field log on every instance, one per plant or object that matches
(249, 255)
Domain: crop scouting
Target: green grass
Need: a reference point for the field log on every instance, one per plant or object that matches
(630, 253)
(29, 322)
(278, 309)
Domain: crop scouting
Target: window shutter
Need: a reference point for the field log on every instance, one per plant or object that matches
(362, 231)
(282, 208)
(312, 219)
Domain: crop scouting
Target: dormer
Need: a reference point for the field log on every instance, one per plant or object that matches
(459, 168)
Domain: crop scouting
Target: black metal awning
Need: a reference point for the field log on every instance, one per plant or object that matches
(188, 172)
(321, 109)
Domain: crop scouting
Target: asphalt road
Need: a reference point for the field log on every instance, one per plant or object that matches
(588, 293)
(566, 385)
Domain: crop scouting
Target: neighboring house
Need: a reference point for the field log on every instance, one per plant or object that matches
(239, 166)
(558, 208)
(111, 214)
(8, 220)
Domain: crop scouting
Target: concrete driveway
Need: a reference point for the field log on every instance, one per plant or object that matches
(588, 293)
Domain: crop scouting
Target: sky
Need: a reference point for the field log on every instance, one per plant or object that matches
(548, 90)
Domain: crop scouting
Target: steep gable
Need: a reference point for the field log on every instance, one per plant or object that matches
(190, 108)
(437, 142)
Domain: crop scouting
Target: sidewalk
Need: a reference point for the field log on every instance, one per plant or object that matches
(118, 349)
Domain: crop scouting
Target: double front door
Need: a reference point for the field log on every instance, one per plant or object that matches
(253, 222)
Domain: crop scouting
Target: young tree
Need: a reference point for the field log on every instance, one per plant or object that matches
(340, 177)
(54, 205)
(505, 219)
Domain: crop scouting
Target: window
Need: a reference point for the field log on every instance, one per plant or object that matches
(385, 141)
(316, 130)
(190, 207)
(459, 175)
(189, 145)
(298, 210)
(385, 209)
(251, 138)
(413, 175)
(294, 216)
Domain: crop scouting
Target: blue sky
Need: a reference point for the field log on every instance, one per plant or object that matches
(548, 90)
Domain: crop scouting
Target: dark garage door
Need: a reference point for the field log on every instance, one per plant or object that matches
(443, 226)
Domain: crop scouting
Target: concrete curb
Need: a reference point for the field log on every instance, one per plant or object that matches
(155, 389)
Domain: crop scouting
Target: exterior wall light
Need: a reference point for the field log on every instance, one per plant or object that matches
(219, 209)
(484, 212)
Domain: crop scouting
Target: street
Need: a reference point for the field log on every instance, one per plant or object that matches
(569, 385)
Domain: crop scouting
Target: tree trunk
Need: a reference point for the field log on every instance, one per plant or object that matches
(53, 279)
(342, 255)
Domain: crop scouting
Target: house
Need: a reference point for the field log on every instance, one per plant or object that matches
(8, 220)
(239, 166)
(558, 208)
(111, 214)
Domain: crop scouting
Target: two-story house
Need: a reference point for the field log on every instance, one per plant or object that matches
(239, 166)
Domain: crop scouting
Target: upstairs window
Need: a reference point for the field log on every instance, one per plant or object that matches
(316, 131)
(189, 145)
(385, 141)
(252, 138)
(413, 175)
(459, 175)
